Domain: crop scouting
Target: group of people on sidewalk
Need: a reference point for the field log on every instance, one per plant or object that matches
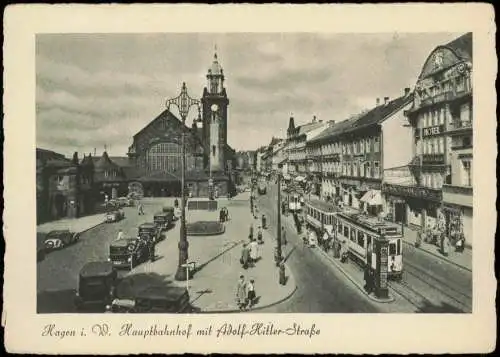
(223, 215)
(250, 253)
(245, 293)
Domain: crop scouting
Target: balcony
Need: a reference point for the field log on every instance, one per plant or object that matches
(413, 191)
(448, 96)
(458, 195)
(433, 159)
(460, 127)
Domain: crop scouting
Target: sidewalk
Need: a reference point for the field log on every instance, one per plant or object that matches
(76, 225)
(213, 287)
(463, 259)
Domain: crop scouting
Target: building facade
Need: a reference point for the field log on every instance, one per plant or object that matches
(441, 116)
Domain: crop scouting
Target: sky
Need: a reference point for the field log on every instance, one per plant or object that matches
(98, 90)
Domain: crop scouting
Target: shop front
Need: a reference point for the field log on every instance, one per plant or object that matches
(411, 205)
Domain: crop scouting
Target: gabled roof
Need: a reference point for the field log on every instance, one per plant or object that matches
(165, 115)
(302, 129)
(334, 129)
(104, 162)
(381, 112)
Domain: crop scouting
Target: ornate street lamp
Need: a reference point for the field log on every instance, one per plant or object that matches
(183, 102)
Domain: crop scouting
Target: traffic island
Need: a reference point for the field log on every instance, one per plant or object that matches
(204, 228)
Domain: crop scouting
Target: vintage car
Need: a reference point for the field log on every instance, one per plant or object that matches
(59, 239)
(154, 299)
(125, 201)
(96, 285)
(128, 252)
(163, 220)
(148, 231)
(114, 216)
(174, 212)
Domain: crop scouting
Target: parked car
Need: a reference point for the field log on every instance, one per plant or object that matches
(115, 216)
(96, 285)
(59, 239)
(155, 299)
(128, 252)
(149, 231)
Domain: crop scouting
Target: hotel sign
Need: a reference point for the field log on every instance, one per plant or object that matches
(413, 191)
(431, 131)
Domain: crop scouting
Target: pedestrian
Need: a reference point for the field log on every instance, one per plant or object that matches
(245, 256)
(250, 287)
(326, 238)
(120, 235)
(241, 293)
(263, 221)
(259, 236)
(283, 236)
(254, 251)
(176, 203)
(226, 214)
(221, 215)
(250, 233)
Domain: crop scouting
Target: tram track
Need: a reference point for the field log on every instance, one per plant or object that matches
(459, 297)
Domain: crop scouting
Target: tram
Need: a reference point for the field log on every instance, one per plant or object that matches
(294, 202)
(359, 232)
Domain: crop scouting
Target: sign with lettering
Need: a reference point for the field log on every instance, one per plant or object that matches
(432, 130)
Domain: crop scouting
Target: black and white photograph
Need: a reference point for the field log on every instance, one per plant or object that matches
(252, 176)
(238, 172)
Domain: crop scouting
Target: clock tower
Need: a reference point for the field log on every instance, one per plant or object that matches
(215, 102)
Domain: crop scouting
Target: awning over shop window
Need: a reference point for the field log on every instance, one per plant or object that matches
(372, 198)
(300, 178)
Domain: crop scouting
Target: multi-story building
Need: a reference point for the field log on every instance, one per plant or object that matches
(297, 138)
(365, 144)
(439, 178)
(325, 152)
(63, 186)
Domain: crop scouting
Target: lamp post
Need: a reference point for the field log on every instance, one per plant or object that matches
(183, 102)
(279, 256)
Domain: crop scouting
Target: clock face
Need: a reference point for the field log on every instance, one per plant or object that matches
(214, 107)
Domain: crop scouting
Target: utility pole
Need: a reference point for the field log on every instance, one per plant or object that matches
(279, 256)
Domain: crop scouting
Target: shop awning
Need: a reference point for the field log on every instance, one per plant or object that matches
(300, 178)
(372, 198)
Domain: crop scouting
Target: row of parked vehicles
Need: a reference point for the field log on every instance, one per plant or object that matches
(98, 281)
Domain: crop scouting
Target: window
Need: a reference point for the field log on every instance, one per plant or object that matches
(467, 173)
(376, 169)
(392, 248)
(431, 146)
(368, 169)
(361, 239)
(376, 144)
(355, 169)
(106, 173)
(367, 145)
(441, 145)
(441, 116)
(346, 231)
(213, 150)
(353, 234)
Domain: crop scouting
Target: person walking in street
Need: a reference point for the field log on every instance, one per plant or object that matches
(226, 214)
(140, 209)
(254, 251)
(259, 236)
(221, 215)
(151, 249)
(245, 256)
(241, 293)
(120, 235)
(176, 203)
(250, 287)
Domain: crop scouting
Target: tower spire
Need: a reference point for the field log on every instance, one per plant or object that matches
(215, 51)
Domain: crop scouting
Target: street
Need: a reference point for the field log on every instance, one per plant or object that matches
(440, 285)
(57, 274)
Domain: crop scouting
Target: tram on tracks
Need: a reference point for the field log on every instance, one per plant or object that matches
(359, 232)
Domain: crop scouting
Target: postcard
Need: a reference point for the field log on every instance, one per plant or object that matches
(249, 179)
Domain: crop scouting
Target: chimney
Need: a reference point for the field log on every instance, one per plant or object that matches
(407, 91)
(378, 102)
(386, 100)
